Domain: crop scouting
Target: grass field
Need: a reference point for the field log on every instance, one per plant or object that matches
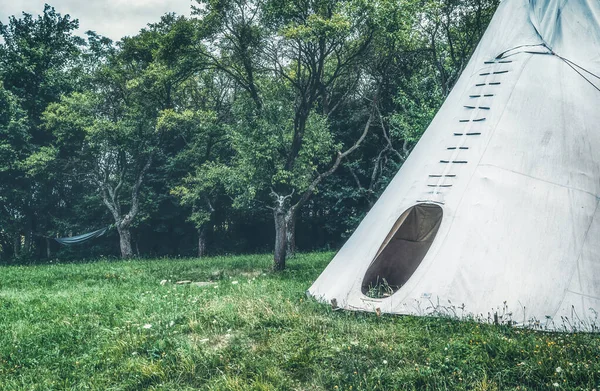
(112, 325)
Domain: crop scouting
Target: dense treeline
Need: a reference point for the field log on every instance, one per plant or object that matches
(255, 125)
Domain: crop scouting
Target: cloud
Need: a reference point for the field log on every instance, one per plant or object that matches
(111, 18)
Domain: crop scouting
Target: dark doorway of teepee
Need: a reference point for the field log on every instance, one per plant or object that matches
(403, 250)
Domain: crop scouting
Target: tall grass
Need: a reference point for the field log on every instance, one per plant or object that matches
(114, 326)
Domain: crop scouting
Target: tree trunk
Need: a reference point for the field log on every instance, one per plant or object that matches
(125, 242)
(48, 253)
(17, 245)
(279, 215)
(201, 242)
(290, 233)
(110, 198)
(28, 243)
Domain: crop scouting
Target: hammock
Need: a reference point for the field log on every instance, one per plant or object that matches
(82, 238)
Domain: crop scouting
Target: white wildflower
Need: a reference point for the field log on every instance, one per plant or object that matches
(147, 326)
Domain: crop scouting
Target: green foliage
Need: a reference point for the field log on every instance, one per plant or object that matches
(198, 191)
(14, 149)
(317, 27)
(14, 138)
(35, 60)
(37, 65)
(261, 146)
(413, 117)
(453, 30)
(113, 325)
(219, 117)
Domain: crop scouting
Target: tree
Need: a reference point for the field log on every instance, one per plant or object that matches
(199, 190)
(120, 121)
(113, 154)
(419, 51)
(37, 65)
(200, 124)
(308, 50)
(452, 29)
(14, 149)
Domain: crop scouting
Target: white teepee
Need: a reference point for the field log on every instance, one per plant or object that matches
(496, 209)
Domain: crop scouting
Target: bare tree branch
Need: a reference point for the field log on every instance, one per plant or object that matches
(340, 156)
(387, 137)
(135, 202)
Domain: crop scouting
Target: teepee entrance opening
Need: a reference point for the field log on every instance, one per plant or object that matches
(402, 250)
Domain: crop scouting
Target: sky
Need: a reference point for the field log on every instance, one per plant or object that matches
(111, 18)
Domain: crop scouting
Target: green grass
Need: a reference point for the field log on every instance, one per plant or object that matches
(81, 326)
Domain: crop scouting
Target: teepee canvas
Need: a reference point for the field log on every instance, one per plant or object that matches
(496, 209)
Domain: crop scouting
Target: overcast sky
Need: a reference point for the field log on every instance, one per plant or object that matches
(111, 18)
